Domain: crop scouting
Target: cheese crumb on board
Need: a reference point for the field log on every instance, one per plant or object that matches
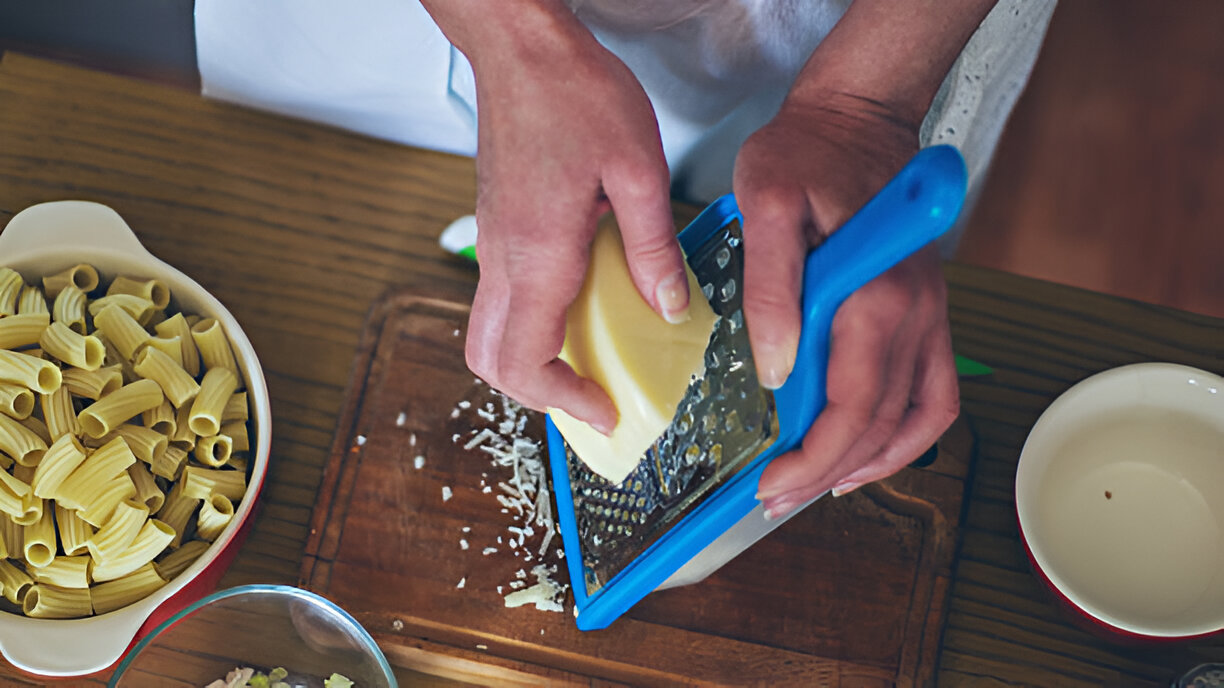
(446, 493)
(522, 493)
(419, 462)
(463, 544)
(462, 583)
(399, 423)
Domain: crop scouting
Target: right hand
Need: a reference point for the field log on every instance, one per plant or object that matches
(565, 134)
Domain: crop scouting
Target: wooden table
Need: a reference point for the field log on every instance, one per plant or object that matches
(298, 228)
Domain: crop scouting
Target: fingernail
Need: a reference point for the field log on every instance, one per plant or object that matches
(775, 365)
(673, 297)
(778, 509)
(845, 487)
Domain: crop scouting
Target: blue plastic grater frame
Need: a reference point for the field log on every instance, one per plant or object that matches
(913, 209)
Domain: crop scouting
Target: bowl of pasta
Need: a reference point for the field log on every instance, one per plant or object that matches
(134, 438)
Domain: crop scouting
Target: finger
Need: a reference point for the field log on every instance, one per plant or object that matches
(542, 282)
(896, 393)
(640, 199)
(859, 354)
(774, 250)
(935, 405)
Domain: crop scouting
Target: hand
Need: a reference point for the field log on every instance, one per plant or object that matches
(566, 132)
(891, 385)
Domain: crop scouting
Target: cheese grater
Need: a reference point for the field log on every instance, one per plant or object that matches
(690, 506)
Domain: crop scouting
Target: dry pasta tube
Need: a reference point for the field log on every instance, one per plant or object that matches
(16, 401)
(118, 533)
(11, 285)
(73, 532)
(40, 544)
(121, 330)
(215, 390)
(237, 432)
(83, 277)
(169, 463)
(145, 443)
(177, 561)
(216, 512)
(14, 485)
(171, 347)
(85, 483)
(12, 505)
(118, 593)
(236, 408)
(147, 491)
(53, 602)
(59, 414)
(154, 537)
(214, 346)
(69, 309)
(64, 572)
(183, 437)
(152, 290)
(32, 301)
(139, 308)
(100, 510)
(61, 459)
(177, 512)
(38, 374)
(17, 331)
(80, 351)
(176, 326)
(114, 409)
(15, 582)
(32, 510)
(201, 483)
(178, 386)
(13, 535)
(162, 420)
(214, 451)
(20, 442)
(93, 384)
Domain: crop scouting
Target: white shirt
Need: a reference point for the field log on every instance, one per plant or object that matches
(715, 71)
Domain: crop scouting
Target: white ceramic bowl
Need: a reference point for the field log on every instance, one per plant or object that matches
(44, 239)
(1120, 498)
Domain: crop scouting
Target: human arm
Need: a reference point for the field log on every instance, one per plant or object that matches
(848, 125)
(565, 134)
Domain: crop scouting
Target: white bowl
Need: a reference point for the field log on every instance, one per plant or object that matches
(44, 239)
(1120, 498)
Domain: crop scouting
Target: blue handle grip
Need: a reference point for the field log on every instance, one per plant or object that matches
(916, 207)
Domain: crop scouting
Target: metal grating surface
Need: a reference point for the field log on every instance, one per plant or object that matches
(724, 420)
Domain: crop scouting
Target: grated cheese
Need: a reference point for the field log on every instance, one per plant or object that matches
(399, 423)
(446, 493)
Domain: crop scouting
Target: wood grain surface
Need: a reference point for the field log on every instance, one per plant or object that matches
(298, 229)
(852, 591)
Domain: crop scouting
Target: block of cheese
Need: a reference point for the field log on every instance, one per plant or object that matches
(644, 363)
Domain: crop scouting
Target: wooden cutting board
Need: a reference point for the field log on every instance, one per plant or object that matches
(852, 592)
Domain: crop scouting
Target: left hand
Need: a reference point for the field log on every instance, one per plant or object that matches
(891, 386)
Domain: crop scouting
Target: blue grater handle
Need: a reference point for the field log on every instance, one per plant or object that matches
(912, 210)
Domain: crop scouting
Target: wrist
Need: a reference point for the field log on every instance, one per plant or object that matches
(501, 31)
(893, 53)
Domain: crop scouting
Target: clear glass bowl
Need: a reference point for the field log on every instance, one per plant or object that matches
(258, 626)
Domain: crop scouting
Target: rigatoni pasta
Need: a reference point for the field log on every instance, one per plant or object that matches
(38, 374)
(120, 592)
(108, 487)
(120, 406)
(20, 331)
(75, 349)
(16, 402)
(69, 309)
(83, 277)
